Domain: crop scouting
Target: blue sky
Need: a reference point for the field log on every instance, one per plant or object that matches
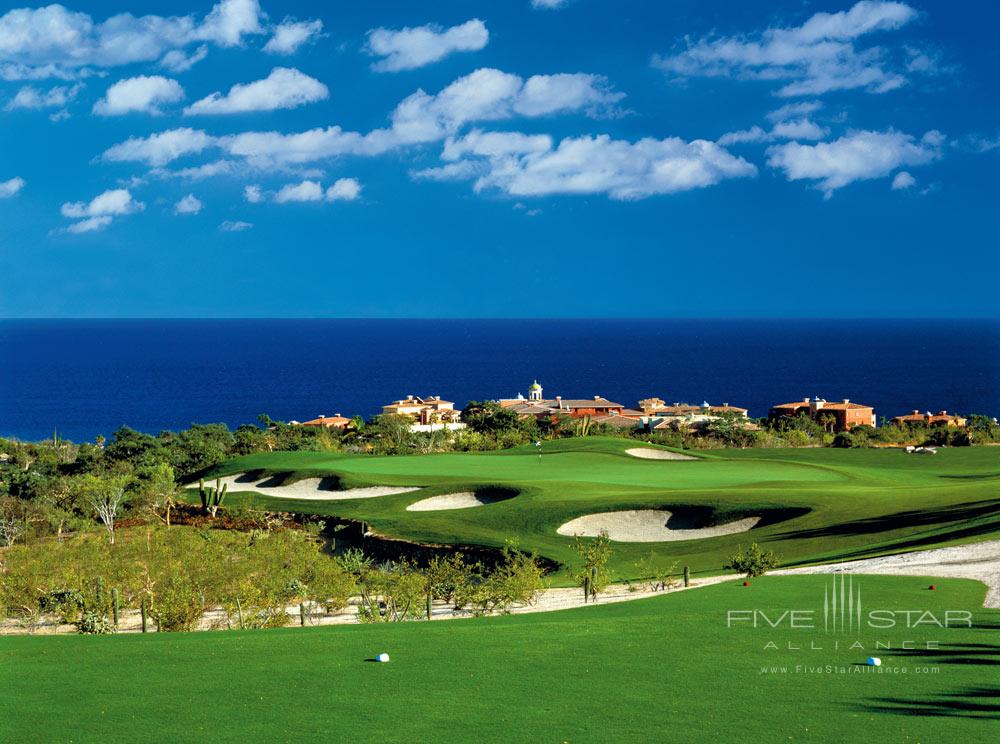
(697, 158)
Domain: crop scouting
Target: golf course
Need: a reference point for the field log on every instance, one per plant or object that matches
(657, 669)
(806, 505)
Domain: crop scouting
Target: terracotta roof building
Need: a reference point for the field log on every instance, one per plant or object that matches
(842, 416)
(941, 418)
(336, 421)
(539, 407)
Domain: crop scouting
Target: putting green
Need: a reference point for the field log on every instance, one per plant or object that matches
(666, 669)
(818, 505)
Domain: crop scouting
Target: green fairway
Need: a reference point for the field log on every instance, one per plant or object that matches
(816, 504)
(666, 669)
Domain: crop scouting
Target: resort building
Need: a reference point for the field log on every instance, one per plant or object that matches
(336, 421)
(658, 407)
(941, 418)
(428, 414)
(540, 407)
(684, 417)
(842, 416)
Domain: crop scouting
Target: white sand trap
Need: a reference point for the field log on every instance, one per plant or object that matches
(309, 488)
(462, 500)
(647, 453)
(647, 525)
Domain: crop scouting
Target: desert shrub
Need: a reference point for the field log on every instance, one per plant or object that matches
(391, 593)
(450, 578)
(67, 604)
(660, 576)
(753, 561)
(93, 623)
(595, 554)
(517, 579)
(176, 573)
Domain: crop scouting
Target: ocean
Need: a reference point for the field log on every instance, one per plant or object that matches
(82, 378)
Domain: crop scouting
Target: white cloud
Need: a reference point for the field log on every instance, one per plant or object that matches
(307, 191)
(548, 4)
(797, 129)
(289, 35)
(144, 94)
(484, 95)
(817, 57)
(284, 88)
(463, 170)
(30, 97)
(856, 156)
(53, 41)
(91, 224)
(495, 144)
(160, 148)
(99, 212)
(903, 180)
(177, 60)
(410, 48)
(791, 110)
(618, 168)
(253, 194)
(190, 204)
(11, 187)
(344, 189)
(488, 95)
(235, 226)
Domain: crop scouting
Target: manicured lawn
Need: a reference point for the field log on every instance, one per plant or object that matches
(819, 504)
(666, 670)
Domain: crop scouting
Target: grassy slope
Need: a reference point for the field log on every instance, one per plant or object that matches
(862, 502)
(665, 670)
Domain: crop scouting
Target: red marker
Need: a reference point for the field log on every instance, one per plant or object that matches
(747, 583)
(933, 587)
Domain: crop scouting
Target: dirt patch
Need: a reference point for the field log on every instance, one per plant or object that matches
(649, 525)
(647, 453)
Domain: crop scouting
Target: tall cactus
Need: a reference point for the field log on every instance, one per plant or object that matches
(211, 498)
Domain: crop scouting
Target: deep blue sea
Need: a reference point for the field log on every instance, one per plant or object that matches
(87, 377)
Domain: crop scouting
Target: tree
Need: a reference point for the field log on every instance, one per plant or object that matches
(753, 561)
(11, 525)
(390, 433)
(105, 496)
(158, 488)
(594, 575)
(489, 417)
(732, 429)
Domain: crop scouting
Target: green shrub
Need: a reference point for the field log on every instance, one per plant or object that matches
(753, 561)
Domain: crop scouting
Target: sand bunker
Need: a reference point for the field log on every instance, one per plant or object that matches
(313, 489)
(648, 525)
(463, 500)
(647, 453)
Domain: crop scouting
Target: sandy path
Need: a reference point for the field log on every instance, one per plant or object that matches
(979, 561)
(647, 525)
(647, 453)
(309, 488)
(461, 500)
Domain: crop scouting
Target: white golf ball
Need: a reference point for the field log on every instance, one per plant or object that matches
(874, 661)
(383, 657)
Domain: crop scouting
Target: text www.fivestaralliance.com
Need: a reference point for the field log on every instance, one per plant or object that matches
(853, 669)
